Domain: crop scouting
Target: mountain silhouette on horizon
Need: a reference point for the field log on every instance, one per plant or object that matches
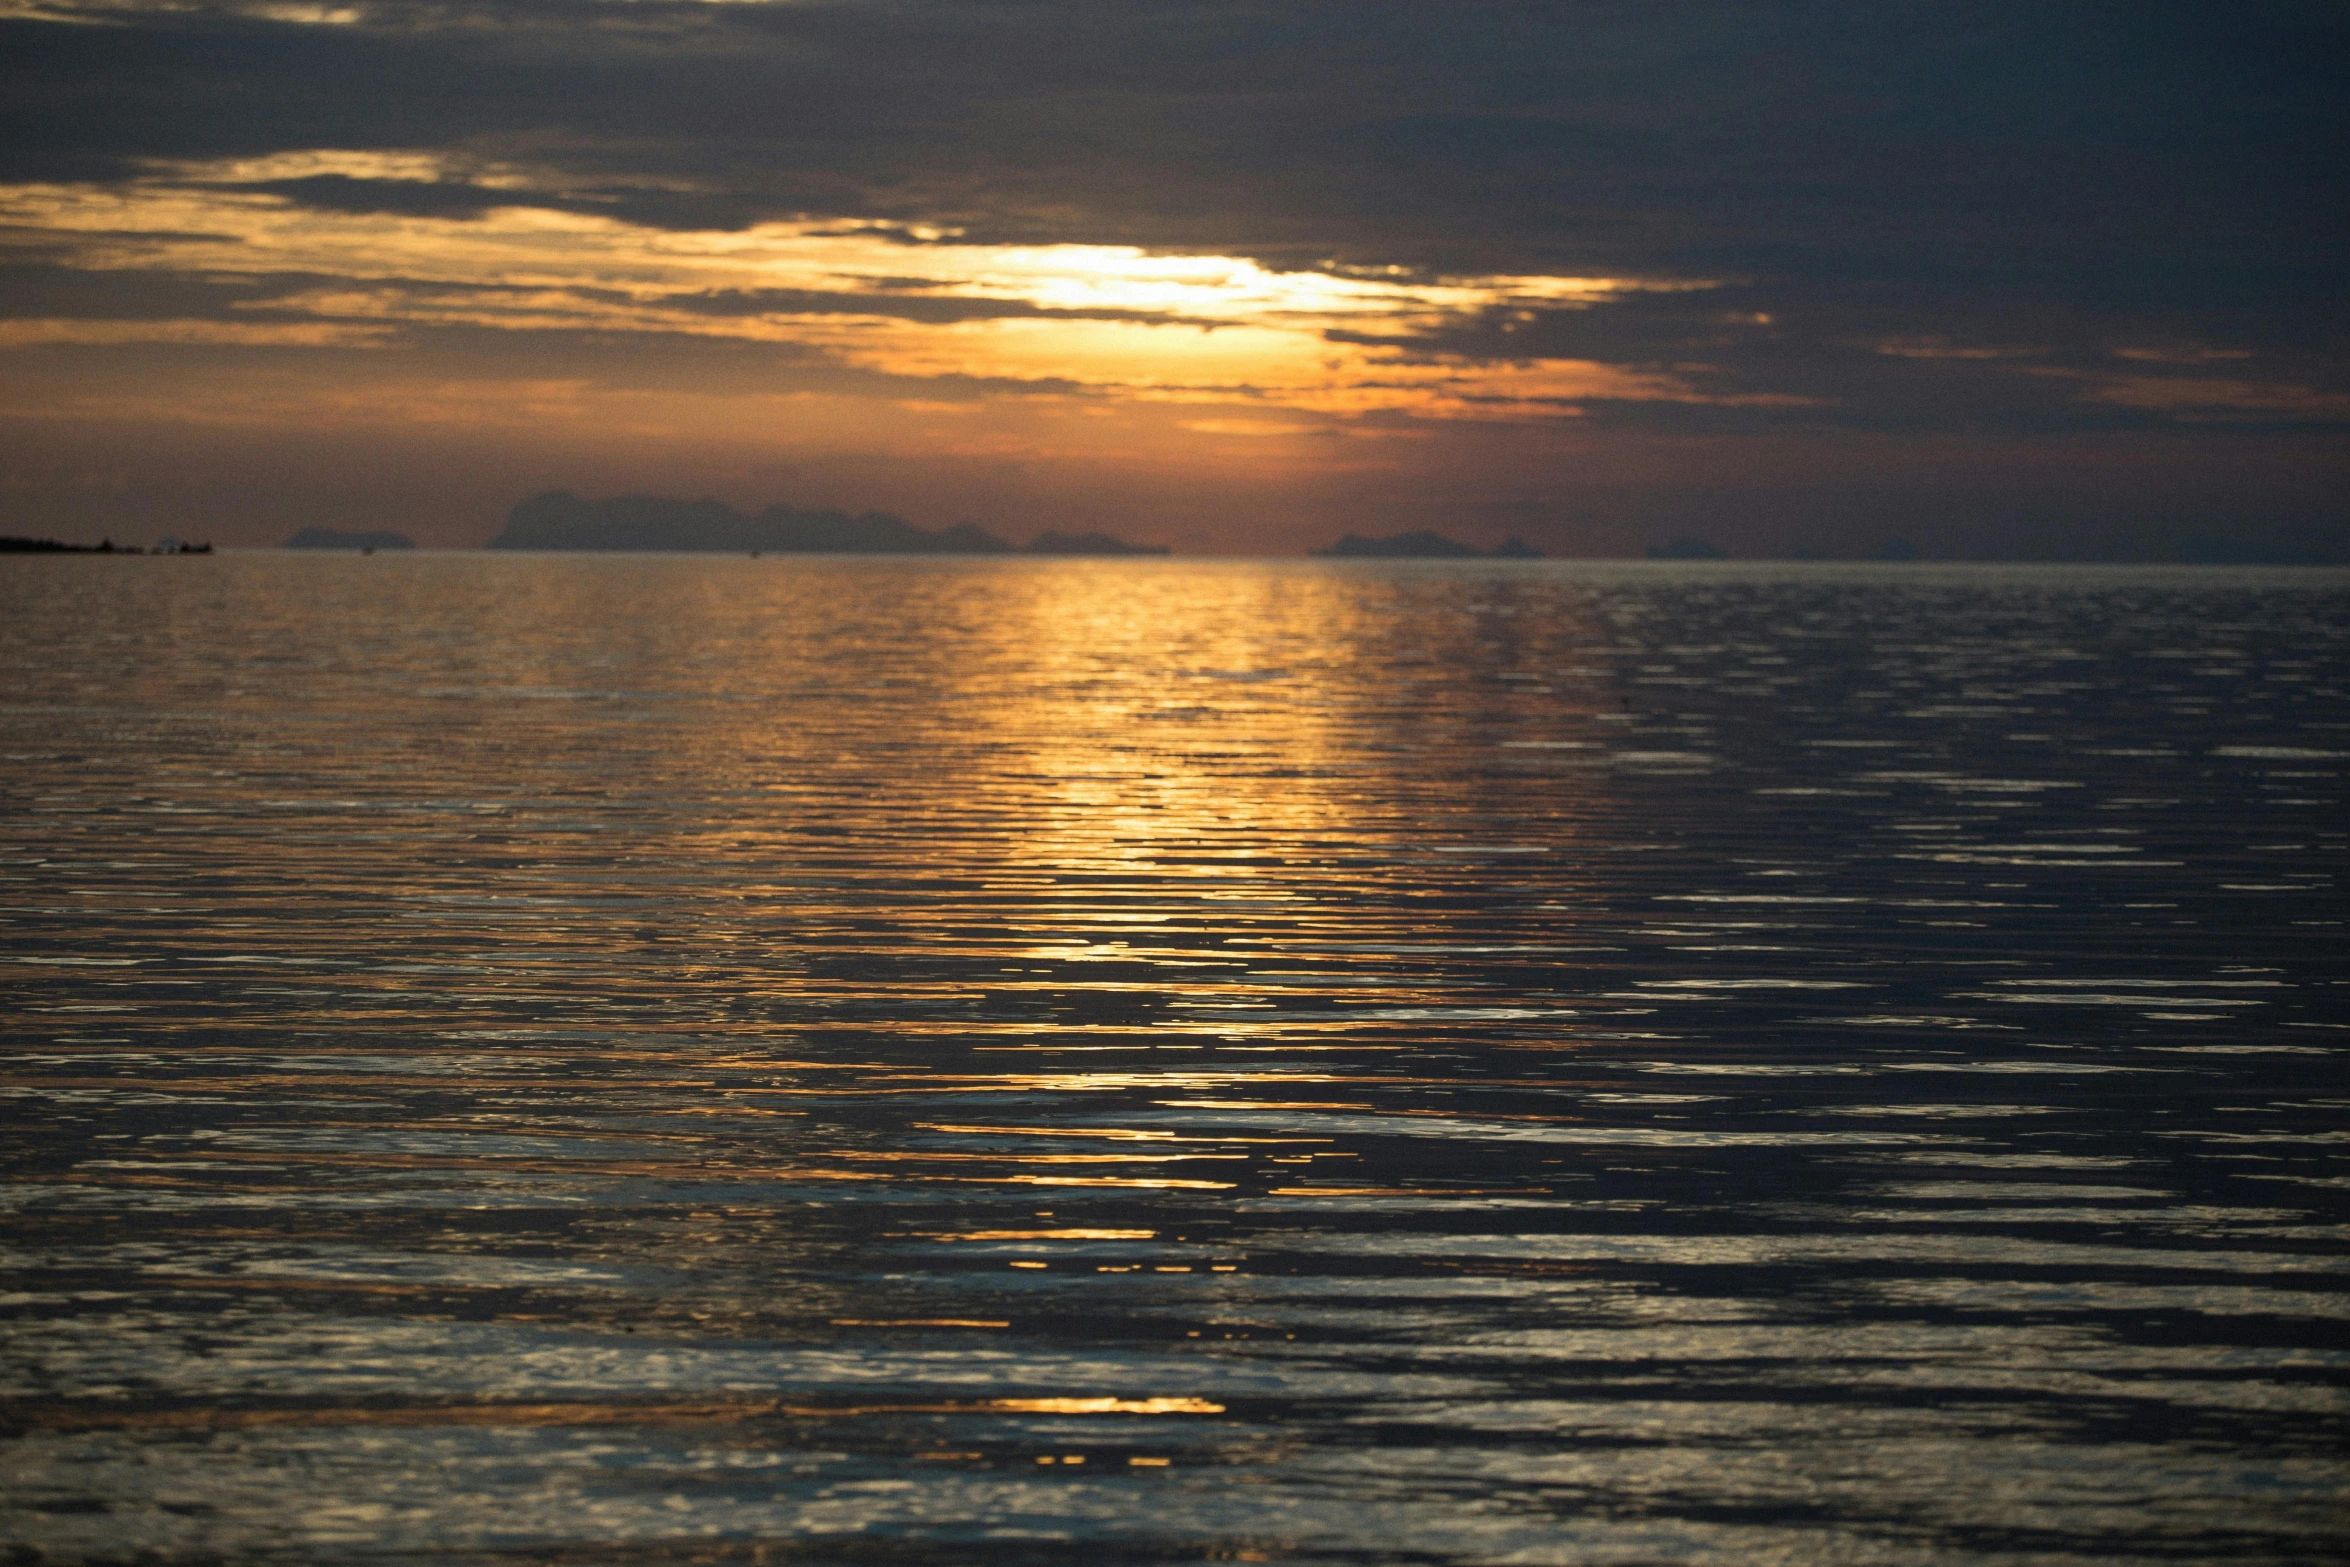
(1425, 545)
(560, 520)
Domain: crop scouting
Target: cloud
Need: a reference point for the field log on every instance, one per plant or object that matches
(35, 331)
(1119, 319)
(1988, 220)
(2217, 399)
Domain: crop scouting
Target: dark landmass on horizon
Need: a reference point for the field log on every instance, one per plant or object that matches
(560, 520)
(652, 524)
(1425, 544)
(351, 539)
(15, 545)
(1054, 542)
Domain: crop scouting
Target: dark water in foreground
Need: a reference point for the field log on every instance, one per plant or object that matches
(664, 1060)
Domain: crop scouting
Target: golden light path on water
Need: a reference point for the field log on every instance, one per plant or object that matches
(623, 1059)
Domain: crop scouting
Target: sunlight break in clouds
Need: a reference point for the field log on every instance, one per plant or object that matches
(1109, 319)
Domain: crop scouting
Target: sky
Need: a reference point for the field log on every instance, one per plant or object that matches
(2003, 280)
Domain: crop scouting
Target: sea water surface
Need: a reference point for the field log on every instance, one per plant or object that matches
(575, 1059)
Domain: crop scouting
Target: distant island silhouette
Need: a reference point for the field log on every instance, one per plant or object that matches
(1425, 545)
(13, 544)
(340, 539)
(1051, 542)
(560, 520)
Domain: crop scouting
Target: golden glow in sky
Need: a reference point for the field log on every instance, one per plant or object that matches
(901, 300)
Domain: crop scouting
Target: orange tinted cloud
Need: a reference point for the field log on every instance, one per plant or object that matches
(1112, 320)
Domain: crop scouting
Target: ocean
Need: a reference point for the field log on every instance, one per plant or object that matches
(687, 1059)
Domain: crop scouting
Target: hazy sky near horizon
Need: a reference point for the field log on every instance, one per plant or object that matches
(2003, 278)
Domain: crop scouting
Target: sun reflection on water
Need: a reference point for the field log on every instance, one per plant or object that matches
(546, 1021)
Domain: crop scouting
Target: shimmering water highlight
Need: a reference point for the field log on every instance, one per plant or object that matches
(700, 1060)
